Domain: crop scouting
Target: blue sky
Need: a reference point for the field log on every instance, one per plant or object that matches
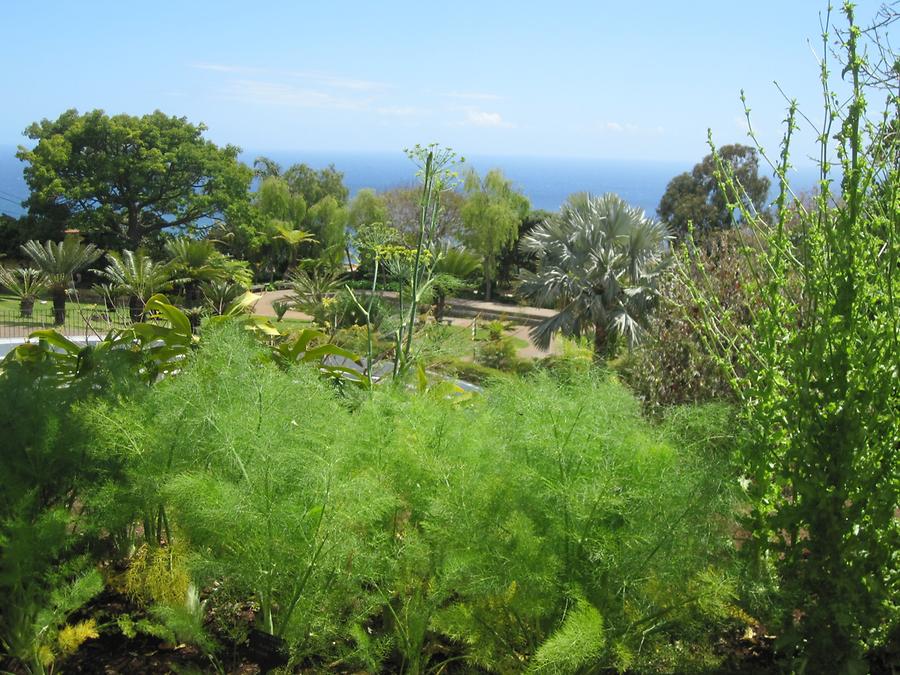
(625, 80)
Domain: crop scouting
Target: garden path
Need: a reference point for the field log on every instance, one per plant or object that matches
(264, 307)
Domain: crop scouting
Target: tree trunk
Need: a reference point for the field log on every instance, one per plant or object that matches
(134, 233)
(601, 342)
(136, 309)
(59, 306)
(26, 307)
(487, 289)
(439, 307)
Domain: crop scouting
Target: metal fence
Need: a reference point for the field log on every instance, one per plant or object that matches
(79, 321)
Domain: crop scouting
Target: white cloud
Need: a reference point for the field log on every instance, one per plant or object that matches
(339, 82)
(327, 80)
(472, 95)
(398, 111)
(279, 93)
(634, 129)
(480, 118)
(224, 68)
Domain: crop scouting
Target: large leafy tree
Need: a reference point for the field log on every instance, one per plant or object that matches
(599, 261)
(303, 180)
(696, 196)
(298, 210)
(404, 210)
(123, 179)
(491, 217)
(317, 184)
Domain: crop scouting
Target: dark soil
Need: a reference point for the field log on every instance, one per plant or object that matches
(115, 653)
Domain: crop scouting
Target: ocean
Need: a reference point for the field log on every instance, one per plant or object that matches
(546, 181)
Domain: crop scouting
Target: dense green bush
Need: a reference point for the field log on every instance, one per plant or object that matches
(46, 563)
(416, 529)
(675, 364)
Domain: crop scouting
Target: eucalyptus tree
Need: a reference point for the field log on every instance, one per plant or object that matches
(491, 217)
(598, 264)
(138, 276)
(59, 262)
(696, 197)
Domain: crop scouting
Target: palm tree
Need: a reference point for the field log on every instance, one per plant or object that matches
(25, 284)
(196, 261)
(59, 262)
(292, 239)
(138, 276)
(599, 261)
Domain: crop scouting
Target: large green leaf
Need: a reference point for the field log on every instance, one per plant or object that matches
(179, 321)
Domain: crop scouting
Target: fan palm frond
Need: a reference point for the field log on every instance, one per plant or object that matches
(599, 259)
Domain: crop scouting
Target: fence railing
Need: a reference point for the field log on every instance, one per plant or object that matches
(79, 320)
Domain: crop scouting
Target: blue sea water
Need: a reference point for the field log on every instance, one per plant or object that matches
(546, 181)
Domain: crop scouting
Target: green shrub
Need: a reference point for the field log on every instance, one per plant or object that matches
(418, 529)
(45, 571)
(675, 365)
(499, 354)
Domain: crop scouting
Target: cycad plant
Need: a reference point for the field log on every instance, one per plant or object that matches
(59, 261)
(453, 271)
(25, 284)
(138, 276)
(218, 295)
(599, 262)
(310, 287)
(196, 261)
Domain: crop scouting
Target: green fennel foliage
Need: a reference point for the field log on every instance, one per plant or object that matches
(416, 530)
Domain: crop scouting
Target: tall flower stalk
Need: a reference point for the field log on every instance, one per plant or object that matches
(436, 170)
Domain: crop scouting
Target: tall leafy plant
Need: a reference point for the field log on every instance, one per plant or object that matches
(436, 171)
(820, 385)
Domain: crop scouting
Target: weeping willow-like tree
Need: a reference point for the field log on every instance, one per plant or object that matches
(599, 261)
(491, 218)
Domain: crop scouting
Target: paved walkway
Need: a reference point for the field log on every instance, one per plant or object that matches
(264, 307)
